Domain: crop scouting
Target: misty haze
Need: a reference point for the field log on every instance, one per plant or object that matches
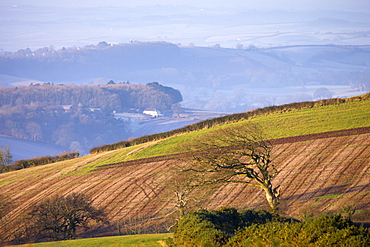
(181, 62)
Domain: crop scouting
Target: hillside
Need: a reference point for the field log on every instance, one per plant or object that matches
(320, 173)
(78, 117)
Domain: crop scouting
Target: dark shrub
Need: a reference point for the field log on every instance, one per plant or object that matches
(327, 230)
(196, 229)
(215, 227)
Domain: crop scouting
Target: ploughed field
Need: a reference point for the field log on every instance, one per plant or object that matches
(320, 173)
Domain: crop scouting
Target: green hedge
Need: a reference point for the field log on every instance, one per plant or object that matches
(38, 161)
(227, 119)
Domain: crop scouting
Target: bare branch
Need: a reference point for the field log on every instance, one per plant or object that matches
(238, 152)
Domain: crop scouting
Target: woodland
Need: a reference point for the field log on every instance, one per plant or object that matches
(77, 117)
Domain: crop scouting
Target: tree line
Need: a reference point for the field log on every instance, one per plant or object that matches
(112, 97)
(37, 161)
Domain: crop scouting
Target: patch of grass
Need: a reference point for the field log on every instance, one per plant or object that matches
(316, 203)
(109, 157)
(5, 181)
(141, 240)
(328, 196)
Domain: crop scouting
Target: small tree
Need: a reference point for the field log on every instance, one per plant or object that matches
(182, 186)
(240, 155)
(5, 157)
(59, 217)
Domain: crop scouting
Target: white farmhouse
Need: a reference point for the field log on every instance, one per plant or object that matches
(152, 112)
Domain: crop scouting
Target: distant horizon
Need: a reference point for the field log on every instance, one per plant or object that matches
(182, 45)
(41, 23)
(357, 5)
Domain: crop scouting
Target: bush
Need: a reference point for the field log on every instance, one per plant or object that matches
(327, 230)
(260, 228)
(215, 227)
(197, 229)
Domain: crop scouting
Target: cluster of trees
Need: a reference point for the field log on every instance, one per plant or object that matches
(110, 97)
(229, 227)
(77, 117)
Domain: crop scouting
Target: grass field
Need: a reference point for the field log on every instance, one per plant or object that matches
(141, 240)
(278, 125)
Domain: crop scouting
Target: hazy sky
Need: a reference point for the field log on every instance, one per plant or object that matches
(40, 23)
(283, 4)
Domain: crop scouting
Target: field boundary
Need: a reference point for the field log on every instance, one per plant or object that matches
(323, 135)
(302, 138)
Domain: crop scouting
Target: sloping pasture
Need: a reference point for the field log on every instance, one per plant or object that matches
(320, 173)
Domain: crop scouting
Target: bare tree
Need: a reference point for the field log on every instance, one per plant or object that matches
(59, 217)
(239, 155)
(35, 131)
(5, 157)
(182, 186)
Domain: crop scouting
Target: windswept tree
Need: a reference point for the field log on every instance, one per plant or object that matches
(239, 155)
(58, 218)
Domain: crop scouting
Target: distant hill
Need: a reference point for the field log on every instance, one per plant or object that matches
(212, 78)
(320, 173)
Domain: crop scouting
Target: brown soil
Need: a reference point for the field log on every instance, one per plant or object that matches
(319, 174)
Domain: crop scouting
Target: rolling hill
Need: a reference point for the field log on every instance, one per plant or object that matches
(323, 153)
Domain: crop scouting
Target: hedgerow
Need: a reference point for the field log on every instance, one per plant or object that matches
(38, 161)
(227, 119)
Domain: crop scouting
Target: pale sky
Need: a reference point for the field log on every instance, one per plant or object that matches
(32, 23)
(281, 4)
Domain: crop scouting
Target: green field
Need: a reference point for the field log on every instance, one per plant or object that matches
(141, 240)
(318, 119)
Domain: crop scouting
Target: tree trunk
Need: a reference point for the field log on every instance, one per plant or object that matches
(181, 211)
(272, 197)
